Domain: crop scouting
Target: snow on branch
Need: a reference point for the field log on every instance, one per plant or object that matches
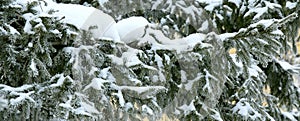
(61, 80)
(207, 79)
(265, 25)
(19, 93)
(21, 97)
(245, 109)
(15, 89)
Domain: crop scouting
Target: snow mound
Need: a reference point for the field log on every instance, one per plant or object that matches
(85, 17)
(131, 28)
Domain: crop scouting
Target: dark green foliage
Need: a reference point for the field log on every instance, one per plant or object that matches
(36, 47)
(279, 82)
(31, 57)
(231, 17)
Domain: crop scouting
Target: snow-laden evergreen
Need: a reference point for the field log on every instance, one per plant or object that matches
(172, 60)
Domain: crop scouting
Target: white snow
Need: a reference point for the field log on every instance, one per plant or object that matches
(254, 71)
(60, 81)
(131, 28)
(160, 41)
(12, 30)
(291, 5)
(204, 26)
(28, 16)
(128, 106)
(159, 60)
(67, 104)
(96, 83)
(81, 16)
(148, 110)
(101, 2)
(90, 108)
(207, 85)
(15, 89)
(244, 108)
(104, 72)
(85, 108)
(82, 111)
(40, 26)
(188, 108)
(55, 31)
(30, 44)
(216, 115)
(183, 76)
(130, 58)
(189, 85)
(121, 98)
(225, 36)
(28, 28)
(93, 70)
(237, 63)
(272, 5)
(289, 116)
(74, 14)
(259, 12)
(75, 57)
(33, 68)
(84, 17)
(3, 103)
(167, 59)
(262, 41)
(21, 97)
(136, 81)
(2, 30)
(18, 93)
(285, 65)
(277, 32)
(191, 10)
(140, 90)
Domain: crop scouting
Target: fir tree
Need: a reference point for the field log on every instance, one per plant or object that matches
(180, 67)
